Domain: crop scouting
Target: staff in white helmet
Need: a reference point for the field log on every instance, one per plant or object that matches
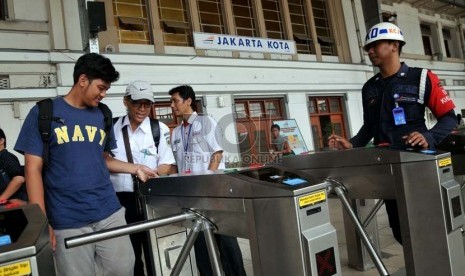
(394, 102)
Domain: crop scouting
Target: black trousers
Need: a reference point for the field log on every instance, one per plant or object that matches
(393, 215)
(140, 241)
(230, 254)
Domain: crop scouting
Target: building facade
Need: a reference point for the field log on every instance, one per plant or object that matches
(318, 85)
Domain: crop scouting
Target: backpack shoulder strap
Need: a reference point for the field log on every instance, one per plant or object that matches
(115, 120)
(45, 126)
(155, 125)
(108, 120)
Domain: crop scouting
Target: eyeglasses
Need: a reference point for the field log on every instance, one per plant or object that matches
(140, 103)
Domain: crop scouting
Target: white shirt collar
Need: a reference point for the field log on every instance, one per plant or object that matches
(144, 126)
(192, 117)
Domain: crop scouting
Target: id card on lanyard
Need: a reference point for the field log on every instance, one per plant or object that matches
(399, 115)
(186, 140)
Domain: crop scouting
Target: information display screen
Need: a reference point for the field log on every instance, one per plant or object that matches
(276, 175)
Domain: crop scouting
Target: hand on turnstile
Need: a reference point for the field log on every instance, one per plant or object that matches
(416, 140)
(144, 173)
(338, 142)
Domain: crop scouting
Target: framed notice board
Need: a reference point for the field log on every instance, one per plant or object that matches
(290, 130)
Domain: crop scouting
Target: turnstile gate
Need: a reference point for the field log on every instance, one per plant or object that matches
(284, 215)
(26, 250)
(428, 199)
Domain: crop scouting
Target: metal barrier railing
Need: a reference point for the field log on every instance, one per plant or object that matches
(201, 223)
(340, 191)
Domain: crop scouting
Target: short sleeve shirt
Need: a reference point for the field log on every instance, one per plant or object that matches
(143, 149)
(279, 142)
(9, 164)
(77, 187)
(194, 144)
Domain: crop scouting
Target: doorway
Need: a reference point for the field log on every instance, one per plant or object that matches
(326, 118)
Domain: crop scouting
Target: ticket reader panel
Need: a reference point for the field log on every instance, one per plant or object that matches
(453, 205)
(28, 250)
(283, 213)
(428, 199)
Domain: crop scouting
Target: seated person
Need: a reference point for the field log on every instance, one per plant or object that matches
(12, 176)
(279, 143)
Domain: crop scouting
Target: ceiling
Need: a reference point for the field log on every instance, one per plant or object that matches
(455, 8)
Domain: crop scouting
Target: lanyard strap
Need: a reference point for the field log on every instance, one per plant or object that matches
(185, 144)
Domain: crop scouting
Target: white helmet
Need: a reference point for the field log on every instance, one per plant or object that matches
(384, 31)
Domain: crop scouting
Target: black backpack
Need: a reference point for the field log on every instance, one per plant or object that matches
(155, 126)
(45, 124)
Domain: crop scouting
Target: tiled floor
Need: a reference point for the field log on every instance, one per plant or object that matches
(391, 251)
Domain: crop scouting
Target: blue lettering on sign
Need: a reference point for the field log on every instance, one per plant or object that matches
(278, 45)
(256, 43)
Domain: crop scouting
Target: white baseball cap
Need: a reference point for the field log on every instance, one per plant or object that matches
(139, 90)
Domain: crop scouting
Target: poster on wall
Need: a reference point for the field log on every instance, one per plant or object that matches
(290, 130)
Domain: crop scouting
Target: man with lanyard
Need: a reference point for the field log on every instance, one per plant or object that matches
(135, 132)
(394, 102)
(197, 150)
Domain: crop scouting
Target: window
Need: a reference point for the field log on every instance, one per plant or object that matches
(174, 22)
(272, 108)
(162, 111)
(131, 21)
(426, 38)
(244, 18)
(210, 16)
(323, 28)
(299, 27)
(256, 110)
(326, 118)
(3, 10)
(451, 42)
(253, 121)
(447, 41)
(241, 112)
(273, 21)
(458, 82)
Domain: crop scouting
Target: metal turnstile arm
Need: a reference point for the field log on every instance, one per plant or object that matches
(196, 228)
(212, 248)
(126, 229)
(338, 188)
(373, 212)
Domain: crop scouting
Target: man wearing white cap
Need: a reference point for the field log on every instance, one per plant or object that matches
(140, 143)
(394, 103)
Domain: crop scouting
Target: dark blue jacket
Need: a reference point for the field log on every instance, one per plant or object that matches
(380, 97)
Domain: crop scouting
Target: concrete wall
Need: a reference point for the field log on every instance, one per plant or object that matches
(53, 27)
